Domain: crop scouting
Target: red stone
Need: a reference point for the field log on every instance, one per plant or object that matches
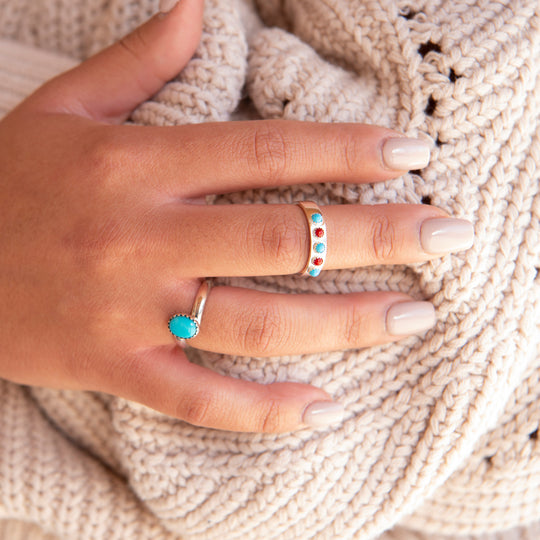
(317, 261)
(319, 233)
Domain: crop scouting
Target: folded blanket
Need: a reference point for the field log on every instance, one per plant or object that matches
(441, 431)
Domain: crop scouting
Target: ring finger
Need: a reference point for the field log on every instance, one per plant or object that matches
(254, 323)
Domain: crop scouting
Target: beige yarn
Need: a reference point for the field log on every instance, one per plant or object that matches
(440, 434)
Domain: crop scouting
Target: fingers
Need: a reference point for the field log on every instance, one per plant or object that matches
(254, 323)
(392, 234)
(247, 240)
(112, 83)
(165, 380)
(197, 160)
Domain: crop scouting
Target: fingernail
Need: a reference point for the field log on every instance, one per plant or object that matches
(444, 235)
(166, 5)
(323, 413)
(410, 318)
(404, 154)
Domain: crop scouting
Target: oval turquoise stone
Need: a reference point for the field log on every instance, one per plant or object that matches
(314, 272)
(183, 327)
(316, 218)
(319, 248)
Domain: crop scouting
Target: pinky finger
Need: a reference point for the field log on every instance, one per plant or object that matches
(164, 379)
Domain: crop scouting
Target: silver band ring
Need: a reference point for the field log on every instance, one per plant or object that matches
(183, 326)
(317, 238)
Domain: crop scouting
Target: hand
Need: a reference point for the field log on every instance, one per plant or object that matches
(101, 241)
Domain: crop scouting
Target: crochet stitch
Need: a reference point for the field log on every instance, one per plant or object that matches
(441, 431)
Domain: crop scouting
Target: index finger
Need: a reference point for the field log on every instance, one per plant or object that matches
(203, 159)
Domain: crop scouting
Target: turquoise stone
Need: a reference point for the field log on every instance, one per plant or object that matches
(316, 218)
(319, 248)
(183, 327)
(314, 272)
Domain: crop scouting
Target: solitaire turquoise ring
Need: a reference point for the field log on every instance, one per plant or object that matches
(183, 326)
(317, 238)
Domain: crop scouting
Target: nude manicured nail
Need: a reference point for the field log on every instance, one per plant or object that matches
(166, 5)
(323, 413)
(410, 318)
(444, 235)
(405, 154)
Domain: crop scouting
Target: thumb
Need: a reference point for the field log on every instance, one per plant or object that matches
(110, 85)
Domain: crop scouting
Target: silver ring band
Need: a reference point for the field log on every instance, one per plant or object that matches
(317, 238)
(183, 326)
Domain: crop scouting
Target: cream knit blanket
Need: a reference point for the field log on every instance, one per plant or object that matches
(441, 432)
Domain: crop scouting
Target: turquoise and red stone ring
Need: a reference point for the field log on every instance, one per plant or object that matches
(184, 326)
(317, 238)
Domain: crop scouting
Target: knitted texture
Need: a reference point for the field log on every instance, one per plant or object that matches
(23, 69)
(18, 530)
(441, 431)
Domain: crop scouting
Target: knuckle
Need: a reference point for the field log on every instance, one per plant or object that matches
(97, 248)
(195, 409)
(355, 326)
(280, 239)
(271, 417)
(134, 43)
(104, 156)
(262, 334)
(384, 238)
(269, 151)
(352, 154)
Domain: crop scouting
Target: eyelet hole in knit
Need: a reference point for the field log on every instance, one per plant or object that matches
(430, 107)
(534, 435)
(429, 47)
(426, 199)
(408, 13)
(453, 76)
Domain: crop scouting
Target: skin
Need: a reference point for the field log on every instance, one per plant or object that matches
(102, 242)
